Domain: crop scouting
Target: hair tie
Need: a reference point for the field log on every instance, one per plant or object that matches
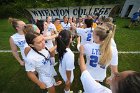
(34, 27)
(107, 31)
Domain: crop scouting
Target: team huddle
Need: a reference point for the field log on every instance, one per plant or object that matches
(40, 42)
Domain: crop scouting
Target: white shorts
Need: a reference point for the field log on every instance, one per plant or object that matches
(49, 81)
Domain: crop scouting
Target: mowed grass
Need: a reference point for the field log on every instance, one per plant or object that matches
(14, 79)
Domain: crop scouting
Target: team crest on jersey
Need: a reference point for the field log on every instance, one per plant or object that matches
(21, 43)
(44, 61)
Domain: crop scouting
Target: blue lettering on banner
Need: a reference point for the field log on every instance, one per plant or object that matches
(47, 12)
(74, 12)
(35, 13)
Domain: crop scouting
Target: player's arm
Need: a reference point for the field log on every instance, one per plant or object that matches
(34, 78)
(50, 37)
(53, 49)
(82, 60)
(113, 65)
(15, 51)
(26, 50)
(114, 69)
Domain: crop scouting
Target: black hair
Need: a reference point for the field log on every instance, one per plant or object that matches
(40, 25)
(88, 22)
(30, 36)
(63, 40)
(56, 19)
(64, 16)
(130, 84)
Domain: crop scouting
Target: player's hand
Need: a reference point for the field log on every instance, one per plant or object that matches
(108, 80)
(42, 85)
(22, 63)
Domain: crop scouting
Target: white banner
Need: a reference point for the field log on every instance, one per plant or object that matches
(59, 12)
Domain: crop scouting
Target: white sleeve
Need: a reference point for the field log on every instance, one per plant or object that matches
(114, 60)
(91, 86)
(79, 31)
(62, 23)
(113, 42)
(29, 65)
(54, 27)
(69, 62)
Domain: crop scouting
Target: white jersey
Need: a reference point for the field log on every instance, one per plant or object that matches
(66, 26)
(92, 53)
(86, 35)
(49, 42)
(113, 42)
(67, 64)
(51, 27)
(19, 41)
(44, 68)
(91, 86)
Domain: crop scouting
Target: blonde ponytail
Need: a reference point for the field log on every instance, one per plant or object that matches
(10, 20)
(105, 35)
(105, 50)
(114, 29)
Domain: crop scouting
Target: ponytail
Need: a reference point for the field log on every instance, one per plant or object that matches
(13, 22)
(41, 53)
(61, 47)
(105, 49)
(105, 35)
(63, 41)
(113, 31)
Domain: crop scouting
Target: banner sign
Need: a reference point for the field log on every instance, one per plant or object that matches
(59, 12)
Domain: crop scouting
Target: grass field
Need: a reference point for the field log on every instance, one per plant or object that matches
(13, 77)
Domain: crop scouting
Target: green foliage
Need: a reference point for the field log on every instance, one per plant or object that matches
(16, 8)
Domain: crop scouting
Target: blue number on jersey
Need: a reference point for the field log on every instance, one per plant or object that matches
(93, 61)
(88, 36)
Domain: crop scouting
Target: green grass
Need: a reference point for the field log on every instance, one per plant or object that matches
(14, 79)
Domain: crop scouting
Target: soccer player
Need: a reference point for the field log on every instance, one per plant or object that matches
(101, 54)
(66, 58)
(124, 82)
(38, 60)
(17, 40)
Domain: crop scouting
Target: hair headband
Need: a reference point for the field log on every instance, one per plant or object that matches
(34, 27)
